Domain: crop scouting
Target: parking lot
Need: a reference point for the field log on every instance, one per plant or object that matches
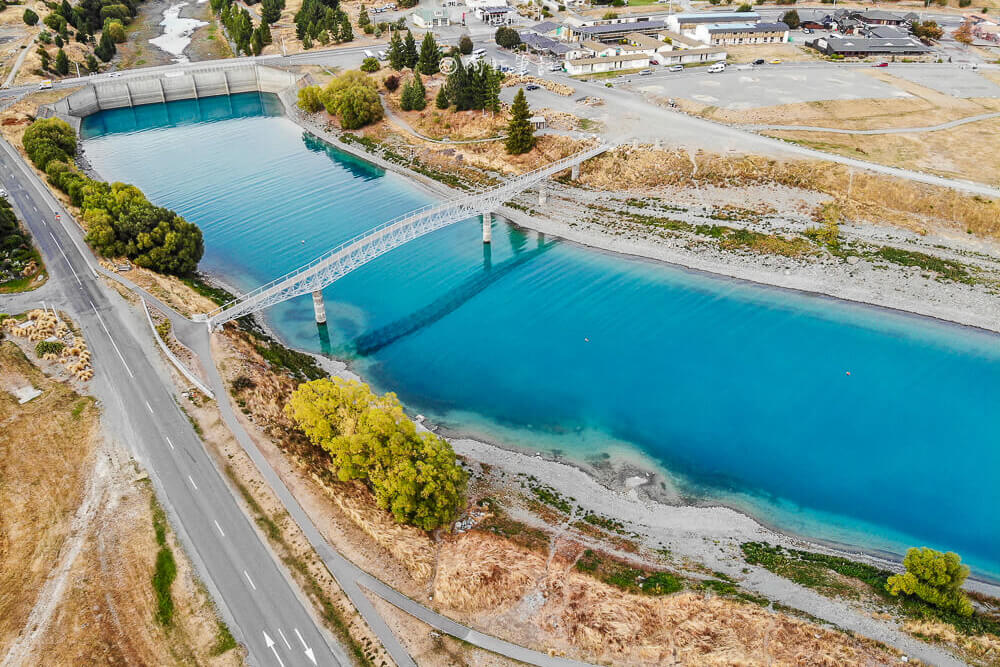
(951, 81)
(766, 85)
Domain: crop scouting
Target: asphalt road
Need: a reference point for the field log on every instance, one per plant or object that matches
(259, 600)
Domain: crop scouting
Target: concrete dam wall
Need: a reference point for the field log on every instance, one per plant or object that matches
(174, 84)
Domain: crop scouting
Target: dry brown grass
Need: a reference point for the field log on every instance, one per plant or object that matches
(982, 649)
(961, 152)
(169, 289)
(482, 575)
(482, 572)
(787, 52)
(863, 195)
(925, 106)
(525, 79)
(493, 156)
(105, 615)
(107, 612)
(45, 457)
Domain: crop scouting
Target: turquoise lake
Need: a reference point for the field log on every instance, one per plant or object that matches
(823, 418)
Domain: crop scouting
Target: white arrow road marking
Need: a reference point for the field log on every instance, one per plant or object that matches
(169, 443)
(284, 639)
(270, 645)
(308, 651)
(223, 534)
(249, 579)
(192, 483)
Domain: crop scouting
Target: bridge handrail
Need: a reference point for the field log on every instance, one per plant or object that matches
(467, 200)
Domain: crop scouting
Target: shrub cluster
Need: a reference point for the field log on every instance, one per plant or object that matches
(352, 97)
(369, 438)
(120, 221)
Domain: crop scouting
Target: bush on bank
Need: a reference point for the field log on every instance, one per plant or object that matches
(120, 221)
(369, 438)
(352, 97)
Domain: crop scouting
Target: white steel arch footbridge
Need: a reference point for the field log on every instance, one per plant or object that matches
(335, 264)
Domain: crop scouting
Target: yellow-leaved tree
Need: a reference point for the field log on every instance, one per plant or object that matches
(369, 438)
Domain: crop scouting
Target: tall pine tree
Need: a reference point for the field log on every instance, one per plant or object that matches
(430, 56)
(410, 56)
(520, 132)
(397, 56)
(418, 102)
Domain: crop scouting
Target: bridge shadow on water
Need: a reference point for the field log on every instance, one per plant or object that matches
(372, 341)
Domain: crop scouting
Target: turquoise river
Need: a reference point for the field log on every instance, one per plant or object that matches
(823, 418)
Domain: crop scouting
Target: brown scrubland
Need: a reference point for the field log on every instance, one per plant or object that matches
(862, 195)
(77, 539)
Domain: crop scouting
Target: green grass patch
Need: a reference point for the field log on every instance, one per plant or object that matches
(164, 574)
(79, 408)
(49, 347)
(626, 577)
(551, 497)
(500, 524)
(946, 268)
(300, 365)
(604, 522)
(218, 295)
(224, 640)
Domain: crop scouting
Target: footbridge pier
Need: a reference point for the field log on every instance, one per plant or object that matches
(338, 262)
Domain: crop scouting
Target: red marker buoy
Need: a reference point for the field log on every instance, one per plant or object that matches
(848, 372)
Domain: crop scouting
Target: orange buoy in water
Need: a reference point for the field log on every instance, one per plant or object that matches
(848, 372)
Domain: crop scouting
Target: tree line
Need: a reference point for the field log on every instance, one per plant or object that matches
(120, 221)
(322, 21)
(239, 25)
(369, 438)
(88, 17)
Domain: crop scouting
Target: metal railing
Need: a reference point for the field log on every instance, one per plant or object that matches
(348, 256)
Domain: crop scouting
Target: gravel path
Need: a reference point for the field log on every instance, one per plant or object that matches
(891, 130)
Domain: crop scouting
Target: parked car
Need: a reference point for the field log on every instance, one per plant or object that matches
(382, 55)
(45, 84)
(677, 68)
(716, 68)
(882, 64)
(532, 86)
(555, 67)
(645, 72)
(776, 61)
(759, 61)
(807, 31)
(654, 62)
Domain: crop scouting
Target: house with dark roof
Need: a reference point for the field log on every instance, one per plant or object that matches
(855, 46)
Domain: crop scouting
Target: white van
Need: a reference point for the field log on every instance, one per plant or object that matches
(382, 55)
(45, 84)
(369, 54)
(716, 68)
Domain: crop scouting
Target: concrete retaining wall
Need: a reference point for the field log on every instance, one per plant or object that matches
(172, 85)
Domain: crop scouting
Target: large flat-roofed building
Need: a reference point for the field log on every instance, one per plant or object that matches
(686, 24)
(742, 33)
(862, 47)
(615, 32)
